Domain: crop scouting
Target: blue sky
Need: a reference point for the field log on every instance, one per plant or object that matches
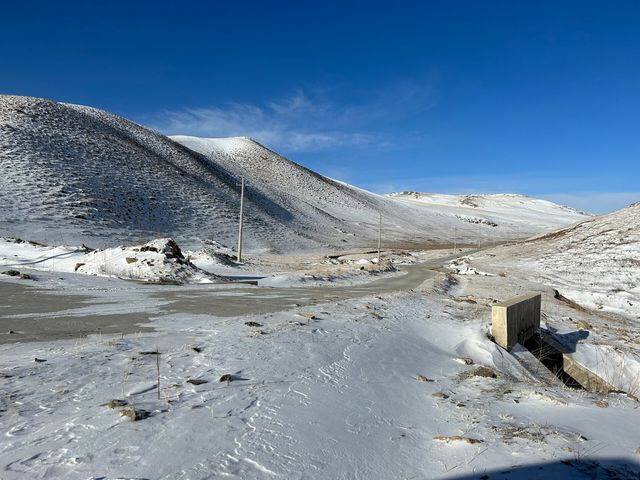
(540, 98)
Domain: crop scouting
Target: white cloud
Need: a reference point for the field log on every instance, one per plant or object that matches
(301, 122)
(293, 124)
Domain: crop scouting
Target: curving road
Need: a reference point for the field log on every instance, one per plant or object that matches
(28, 313)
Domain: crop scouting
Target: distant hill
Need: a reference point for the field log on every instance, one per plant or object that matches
(75, 174)
(595, 263)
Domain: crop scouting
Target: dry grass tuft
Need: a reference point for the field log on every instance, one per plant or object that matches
(457, 438)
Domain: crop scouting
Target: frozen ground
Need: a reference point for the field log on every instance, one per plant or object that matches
(384, 385)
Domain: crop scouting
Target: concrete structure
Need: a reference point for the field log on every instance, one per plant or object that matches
(534, 366)
(516, 320)
(585, 377)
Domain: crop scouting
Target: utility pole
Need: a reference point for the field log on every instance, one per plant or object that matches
(240, 227)
(379, 237)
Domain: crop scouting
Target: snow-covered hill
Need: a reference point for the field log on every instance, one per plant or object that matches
(498, 209)
(71, 174)
(595, 263)
(354, 212)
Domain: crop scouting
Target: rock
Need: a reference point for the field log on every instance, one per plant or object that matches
(16, 273)
(39, 360)
(484, 372)
(601, 404)
(422, 378)
(135, 414)
(440, 395)
(131, 259)
(227, 377)
(253, 324)
(172, 250)
(78, 265)
(197, 381)
(115, 403)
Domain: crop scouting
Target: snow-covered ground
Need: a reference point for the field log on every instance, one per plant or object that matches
(160, 261)
(384, 386)
(375, 387)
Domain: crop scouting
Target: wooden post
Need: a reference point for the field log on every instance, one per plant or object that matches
(158, 370)
(241, 215)
(379, 238)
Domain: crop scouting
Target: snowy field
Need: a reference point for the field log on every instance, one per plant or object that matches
(388, 385)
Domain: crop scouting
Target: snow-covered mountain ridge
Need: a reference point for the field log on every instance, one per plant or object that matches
(494, 202)
(71, 174)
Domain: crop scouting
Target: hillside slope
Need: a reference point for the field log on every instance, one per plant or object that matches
(595, 263)
(77, 174)
(74, 174)
(355, 212)
(532, 214)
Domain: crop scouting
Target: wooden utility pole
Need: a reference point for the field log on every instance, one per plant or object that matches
(241, 214)
(379, 237)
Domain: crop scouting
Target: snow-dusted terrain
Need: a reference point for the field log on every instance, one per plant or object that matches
(400, 385)
(355, 212)
(595, 263)
(594, 269)
(71, 174)
(340, 366)
(495, 209)
(159, 261)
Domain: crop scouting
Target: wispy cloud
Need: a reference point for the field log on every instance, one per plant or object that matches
(302, 121)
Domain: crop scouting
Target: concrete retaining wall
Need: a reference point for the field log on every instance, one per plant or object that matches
(589, 380)
(516, 320)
